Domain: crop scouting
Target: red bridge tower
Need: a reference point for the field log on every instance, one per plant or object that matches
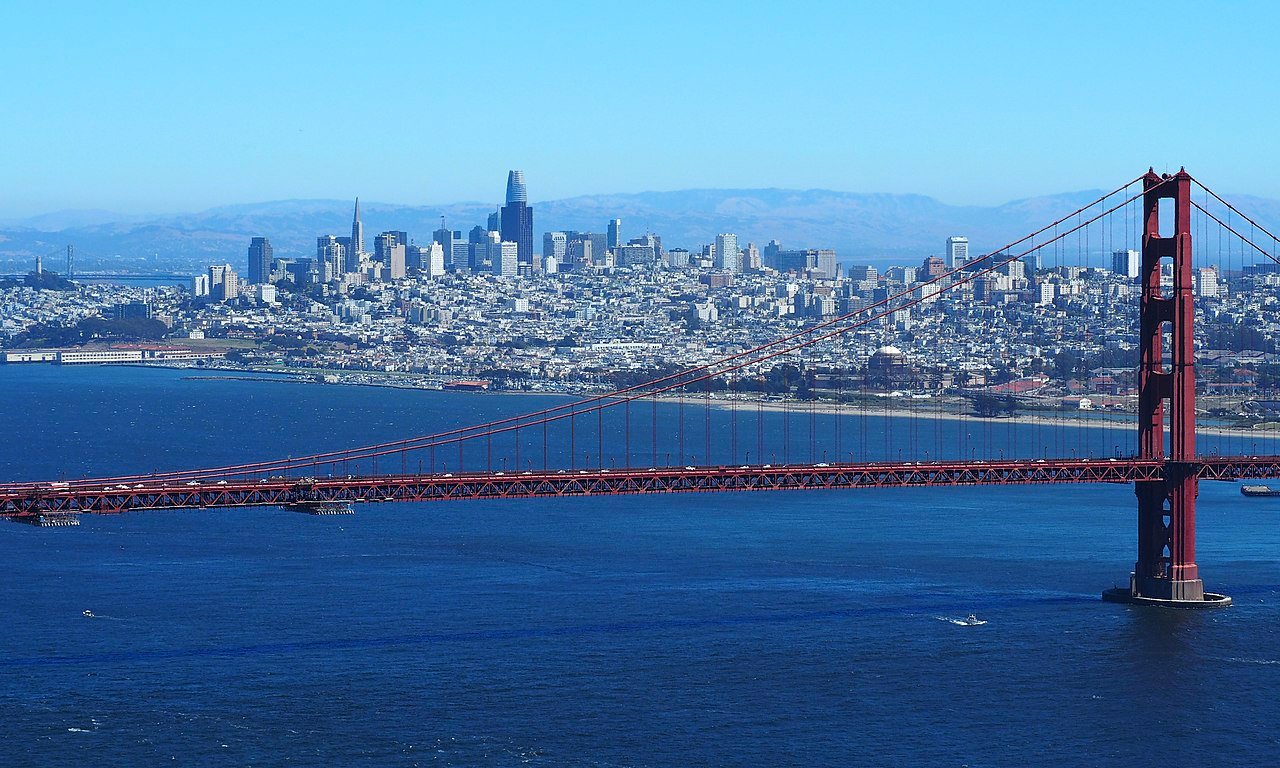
(1166, 572)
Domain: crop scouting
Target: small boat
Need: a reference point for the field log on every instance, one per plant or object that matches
(88, 614)
(970, 621)
(1259, 490)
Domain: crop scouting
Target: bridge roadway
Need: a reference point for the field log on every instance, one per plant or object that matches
(157, 278)
(33, 501)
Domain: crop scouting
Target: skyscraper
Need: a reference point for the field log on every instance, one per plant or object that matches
(448, 240)
(827, 262)
(414, 258)
(957, 251)
(390, 247)
(384, 242)
(458, 258)
(504, 256)
(259, 260)
(331, 256)
(357, 233)
(794, 260)
(728, 258)
(555, 245)
(1205, 284)
(615, 234)
(433, 261)
(223, 282)
(230, 285)
(477, 250)
(516, 221)
(1126, 263)
(396, 265)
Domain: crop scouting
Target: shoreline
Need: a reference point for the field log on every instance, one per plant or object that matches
(1028, 418)
(929, 409)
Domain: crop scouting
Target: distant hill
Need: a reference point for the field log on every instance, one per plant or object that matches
(866, 228)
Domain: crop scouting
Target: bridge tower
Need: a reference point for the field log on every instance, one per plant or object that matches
(1166, 572)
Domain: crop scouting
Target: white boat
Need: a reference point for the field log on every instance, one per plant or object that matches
(969, 621)
(88, 614)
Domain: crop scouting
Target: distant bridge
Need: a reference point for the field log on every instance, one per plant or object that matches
(158, 277)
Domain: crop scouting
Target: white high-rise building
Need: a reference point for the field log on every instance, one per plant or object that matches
(504, 256)
(200, 286)
(1205, 283)
(230, 284)
(1126, 263)
(728, 257)
(957, 251)
(266, 294)
(433, 264)
(1044, 294)
(396, 257)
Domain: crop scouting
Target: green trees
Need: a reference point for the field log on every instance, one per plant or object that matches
(92, 329)
(990, 405)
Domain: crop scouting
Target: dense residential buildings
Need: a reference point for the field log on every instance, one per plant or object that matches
(1056, 334)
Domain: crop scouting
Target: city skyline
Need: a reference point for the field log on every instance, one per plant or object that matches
(505, 249)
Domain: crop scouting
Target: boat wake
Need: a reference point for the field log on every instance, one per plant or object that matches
(970, 621)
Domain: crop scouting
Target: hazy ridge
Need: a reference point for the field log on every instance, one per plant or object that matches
(862, 227)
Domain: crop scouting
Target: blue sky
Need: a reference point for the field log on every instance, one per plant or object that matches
(156, 107)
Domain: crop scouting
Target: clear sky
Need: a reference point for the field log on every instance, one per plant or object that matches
(155, 107)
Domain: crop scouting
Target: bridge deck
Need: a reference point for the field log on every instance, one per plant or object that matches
(35, 499)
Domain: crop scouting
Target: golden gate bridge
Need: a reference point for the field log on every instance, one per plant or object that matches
(1165, 467)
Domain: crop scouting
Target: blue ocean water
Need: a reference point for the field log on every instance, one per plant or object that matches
(791, 628)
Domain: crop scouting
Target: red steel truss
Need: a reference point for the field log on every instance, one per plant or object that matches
(28, 502)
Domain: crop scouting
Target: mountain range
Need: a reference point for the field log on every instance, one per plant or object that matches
(862, 227)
